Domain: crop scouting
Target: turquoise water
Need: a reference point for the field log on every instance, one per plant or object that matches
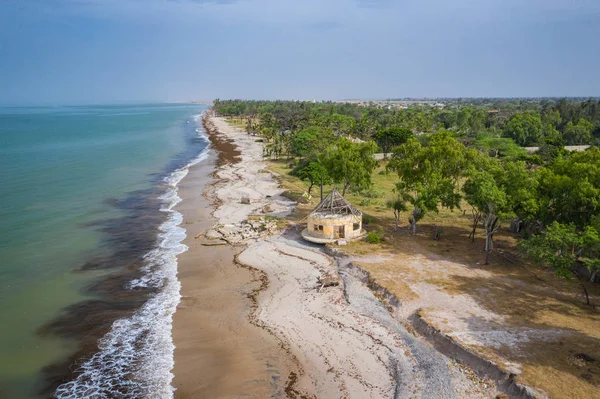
(58, 166)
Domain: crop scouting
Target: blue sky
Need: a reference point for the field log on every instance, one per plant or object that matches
(90, 51)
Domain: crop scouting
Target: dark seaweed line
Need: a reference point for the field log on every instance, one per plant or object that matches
(129, 238)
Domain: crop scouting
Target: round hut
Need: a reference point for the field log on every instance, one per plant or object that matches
(333, 219)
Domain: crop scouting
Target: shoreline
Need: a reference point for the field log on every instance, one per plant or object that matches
(327, 342)
(121, 328)
(218, 353)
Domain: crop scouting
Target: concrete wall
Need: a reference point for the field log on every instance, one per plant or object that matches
(331, 227)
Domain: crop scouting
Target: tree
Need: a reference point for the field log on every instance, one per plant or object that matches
(521, 186)
(524, 128)
(313, 172)
(309, 141)
(498, 146)
(565, 249)
(569, 189)
(350, 164)
(398, 205)
(484, 191)
(552, 136)
(341, 124)
(391, 137)
(429, 174)
(578, 134)
(551, 117)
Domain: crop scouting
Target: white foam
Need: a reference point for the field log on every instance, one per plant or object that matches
(135, 358)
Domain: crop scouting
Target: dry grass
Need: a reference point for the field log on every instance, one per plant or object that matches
(523, 295)
(239, 123)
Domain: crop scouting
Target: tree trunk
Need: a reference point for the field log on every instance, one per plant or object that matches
(436, 233)
(515, 225)
(585, 291)
(490, 228)
(489, 245)
(346, 185)
(321, 186)
(476, 219)
(413, 220)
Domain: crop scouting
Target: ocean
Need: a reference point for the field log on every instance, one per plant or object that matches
(88, 246)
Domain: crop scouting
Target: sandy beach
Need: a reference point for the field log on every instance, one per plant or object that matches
(254, 323)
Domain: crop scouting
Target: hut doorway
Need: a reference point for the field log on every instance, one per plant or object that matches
(339, 232)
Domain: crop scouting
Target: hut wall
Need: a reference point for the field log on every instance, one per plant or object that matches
(330, 227)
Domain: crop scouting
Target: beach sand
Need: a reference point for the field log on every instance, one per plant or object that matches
(219, 353)
(259, 327)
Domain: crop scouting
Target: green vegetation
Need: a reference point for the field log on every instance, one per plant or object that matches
(467, 154)
(374, 237)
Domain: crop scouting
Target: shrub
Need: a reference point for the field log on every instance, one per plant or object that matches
(365, 202)
(368, 219)
(374, 237)
(370, 193)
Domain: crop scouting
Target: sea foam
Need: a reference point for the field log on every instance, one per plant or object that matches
(135, 359)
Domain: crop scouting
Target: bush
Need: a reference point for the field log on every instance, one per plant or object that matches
(369, 193)
(373, 194)
(368, 219)
(374, 237)
(365, 202)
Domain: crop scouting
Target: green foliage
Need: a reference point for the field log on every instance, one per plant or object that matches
(350, 164)
(398, 205)
(370, 193)
(509, 118)
(368, 219)
(565, 249)
(498, 146)
(429, 174)
(374, 237)
(521, 186)
(525, 129)
(548, 152)
(313, 172)
(484, 190)
(309, 141)
(578, 134)
(552, 136)
(569, 189)
(391, 137)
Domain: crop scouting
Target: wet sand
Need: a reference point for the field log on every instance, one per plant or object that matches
(219, 353)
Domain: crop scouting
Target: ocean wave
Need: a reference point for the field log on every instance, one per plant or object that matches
(135, 359)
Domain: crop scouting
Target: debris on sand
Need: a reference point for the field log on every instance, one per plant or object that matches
(241, 232)
(327, 281)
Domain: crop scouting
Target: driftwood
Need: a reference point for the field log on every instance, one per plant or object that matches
(327, 281)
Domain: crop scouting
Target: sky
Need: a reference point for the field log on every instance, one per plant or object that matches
(101, 51)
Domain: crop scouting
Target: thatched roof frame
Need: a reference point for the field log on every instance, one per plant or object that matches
(334, 205)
